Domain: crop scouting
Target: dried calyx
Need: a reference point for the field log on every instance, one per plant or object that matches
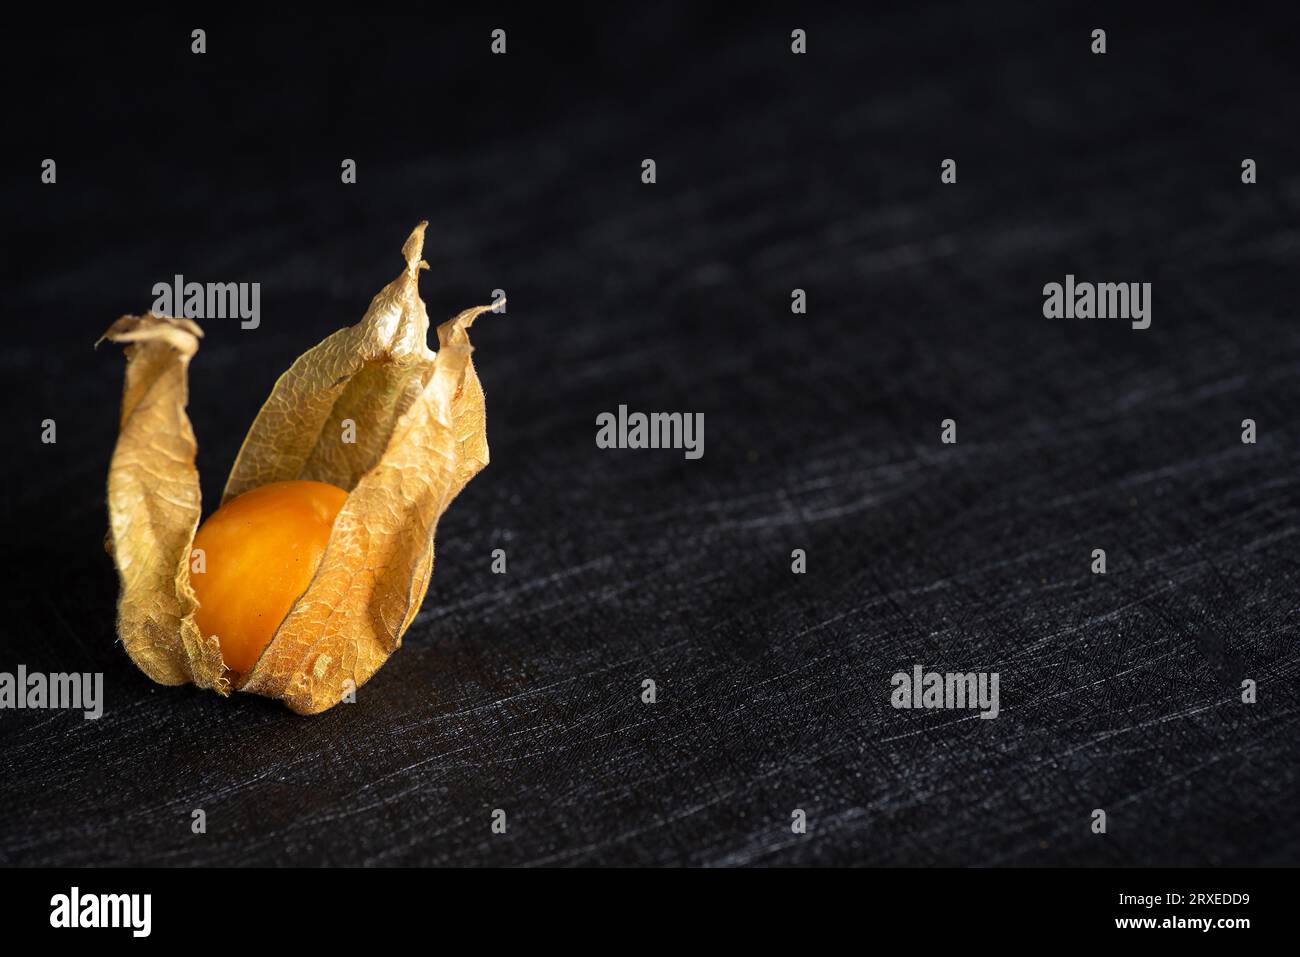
(416, 423)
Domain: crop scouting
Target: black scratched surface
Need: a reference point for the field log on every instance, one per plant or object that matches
(522, 691)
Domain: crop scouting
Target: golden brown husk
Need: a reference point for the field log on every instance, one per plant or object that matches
(420, 430)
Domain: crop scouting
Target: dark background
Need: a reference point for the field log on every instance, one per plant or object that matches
(775, 171)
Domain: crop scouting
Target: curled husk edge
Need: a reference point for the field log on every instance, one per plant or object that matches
(420, 436)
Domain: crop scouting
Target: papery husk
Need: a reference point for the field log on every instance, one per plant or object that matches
(420, 436)
(154, 506)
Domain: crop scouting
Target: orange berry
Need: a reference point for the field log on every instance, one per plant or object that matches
(260, 551)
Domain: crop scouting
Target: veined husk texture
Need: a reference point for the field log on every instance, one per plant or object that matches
(420, 435)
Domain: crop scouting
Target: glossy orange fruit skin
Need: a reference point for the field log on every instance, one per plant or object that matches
(260, 551)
